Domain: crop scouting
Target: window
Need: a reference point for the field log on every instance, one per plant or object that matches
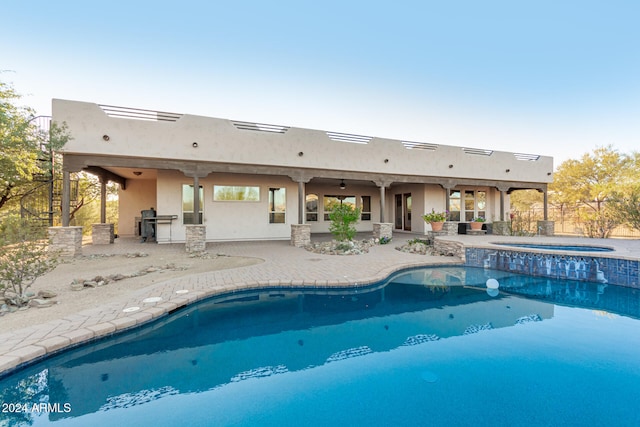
(188, 215)
(236, 193)
(481, 204)
(365, 206)
(454, 205)
(277, 205)
(312, 207)
(469, 205)
(473, 205)
(330, 202)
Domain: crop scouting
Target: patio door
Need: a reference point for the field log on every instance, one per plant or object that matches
(403, 212)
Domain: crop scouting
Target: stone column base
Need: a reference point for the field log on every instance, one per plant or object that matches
(450, 228)
(102, 234)
(382, 230)
(501, 228)
(65, 241)
(546, 228)
(300, 235)
(196, 238)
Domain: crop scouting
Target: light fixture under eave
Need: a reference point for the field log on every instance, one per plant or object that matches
(342, 185)
(137, 173)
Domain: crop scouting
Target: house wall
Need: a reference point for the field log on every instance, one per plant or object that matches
(235, 220)
(140, 194)
(251, 156)
(322, 226)
(435, 198)
(227, 220)
(218, 140)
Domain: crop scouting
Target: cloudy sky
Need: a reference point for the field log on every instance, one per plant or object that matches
(556, 78)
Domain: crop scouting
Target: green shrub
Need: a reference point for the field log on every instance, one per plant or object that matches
(343, 219)
(384, 240)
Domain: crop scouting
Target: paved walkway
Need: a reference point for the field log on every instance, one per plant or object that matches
(284, 266)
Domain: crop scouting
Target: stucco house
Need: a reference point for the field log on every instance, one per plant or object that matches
(260, 181)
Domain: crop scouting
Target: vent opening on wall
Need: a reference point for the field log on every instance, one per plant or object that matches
(347, 137)
(526, 157)
(139, 114)
(411, 145)
(478, 151)
(260, 127)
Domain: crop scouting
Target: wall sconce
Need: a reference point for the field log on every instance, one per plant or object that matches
(194, 145)
(105, 137)
(450, 166)
(137, 173)
(508, 170)
(342, 185)
(300, 154)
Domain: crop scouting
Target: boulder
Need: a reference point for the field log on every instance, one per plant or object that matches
(40, 303)
(77, 286)
(46, 294)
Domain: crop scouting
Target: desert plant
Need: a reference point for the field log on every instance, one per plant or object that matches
(384, 240)
(23, 258)
(343, 219)
(435, 216)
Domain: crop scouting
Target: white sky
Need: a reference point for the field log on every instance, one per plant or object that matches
(556, 78)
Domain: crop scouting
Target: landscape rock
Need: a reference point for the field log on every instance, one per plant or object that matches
(47, 294)
(77, 286)
(40, 303)
(341, 248)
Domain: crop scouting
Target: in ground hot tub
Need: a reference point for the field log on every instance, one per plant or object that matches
(575, 248)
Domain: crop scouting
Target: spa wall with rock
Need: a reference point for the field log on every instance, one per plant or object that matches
(579, 267)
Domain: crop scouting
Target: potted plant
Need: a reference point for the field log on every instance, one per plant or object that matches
(436, 219)
(476, 223)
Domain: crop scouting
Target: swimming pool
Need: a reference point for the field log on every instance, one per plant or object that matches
(429, 347)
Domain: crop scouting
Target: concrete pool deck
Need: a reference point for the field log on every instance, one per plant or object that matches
(283, 266)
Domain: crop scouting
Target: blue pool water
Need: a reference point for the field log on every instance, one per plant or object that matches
(576, 248)
(431, 347)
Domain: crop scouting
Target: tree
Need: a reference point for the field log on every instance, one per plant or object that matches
(25, 150)
(625, 203)
(342, 219)
(627, 208)
(590, 183)
(524, 217)
(18, 152)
